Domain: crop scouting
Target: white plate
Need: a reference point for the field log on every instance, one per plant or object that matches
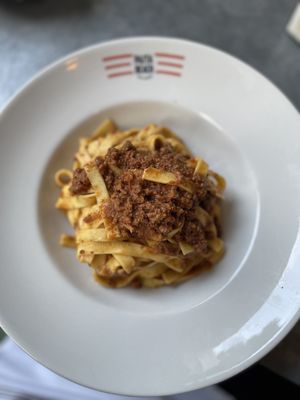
(170, 340)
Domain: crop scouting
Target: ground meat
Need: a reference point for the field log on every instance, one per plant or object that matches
(146, 212)
(192, 233)
(80, 182)
(166, 158)
(201, 187)
(167, 248)
(106, 172)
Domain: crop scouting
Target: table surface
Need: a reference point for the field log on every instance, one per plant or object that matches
(35, 33)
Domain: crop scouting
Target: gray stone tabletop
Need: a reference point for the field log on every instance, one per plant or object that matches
(37, 32)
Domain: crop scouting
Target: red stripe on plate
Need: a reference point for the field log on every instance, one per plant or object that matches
(120, 65)
(162, 71)
(169, 55)
(120, 74)
(116, 57)
(169, 64)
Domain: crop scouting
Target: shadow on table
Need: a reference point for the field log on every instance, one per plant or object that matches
(2, 334)
(37, 9)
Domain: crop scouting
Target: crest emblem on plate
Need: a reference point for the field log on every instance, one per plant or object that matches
(143, 65)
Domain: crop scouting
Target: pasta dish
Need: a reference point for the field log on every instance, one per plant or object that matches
(144, 210)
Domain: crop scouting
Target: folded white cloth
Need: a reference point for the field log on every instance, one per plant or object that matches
(19, 373)
(293, 26)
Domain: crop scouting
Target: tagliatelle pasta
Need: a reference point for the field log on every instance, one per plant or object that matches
(145, 212)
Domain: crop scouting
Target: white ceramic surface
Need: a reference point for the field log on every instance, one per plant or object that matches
(170, 340)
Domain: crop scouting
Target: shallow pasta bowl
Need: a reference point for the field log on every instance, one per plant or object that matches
(174, 339)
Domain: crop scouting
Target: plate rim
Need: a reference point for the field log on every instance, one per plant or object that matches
(86, 49)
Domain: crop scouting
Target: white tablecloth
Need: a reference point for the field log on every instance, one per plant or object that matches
(19, 373)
